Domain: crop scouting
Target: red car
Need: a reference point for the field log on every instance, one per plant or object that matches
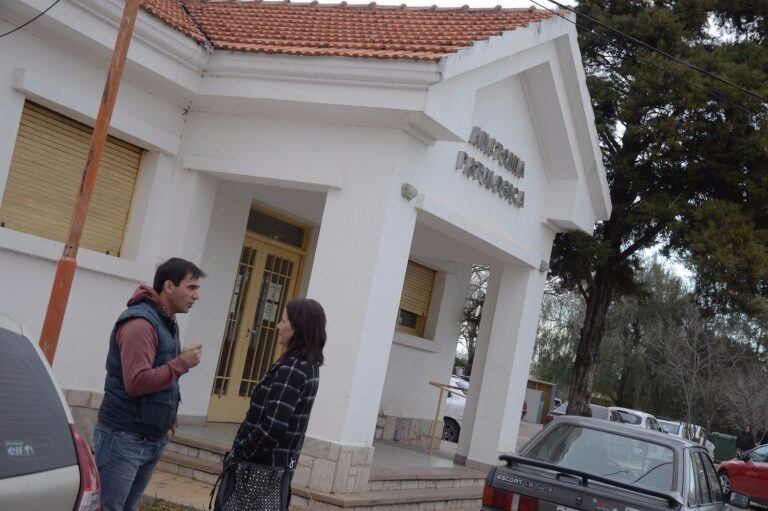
(747, 474)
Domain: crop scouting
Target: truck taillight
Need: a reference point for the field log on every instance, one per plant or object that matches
(89, 497)
(507, 500)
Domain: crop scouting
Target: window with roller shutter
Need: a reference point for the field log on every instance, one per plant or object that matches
(415, 299)
(45, 176)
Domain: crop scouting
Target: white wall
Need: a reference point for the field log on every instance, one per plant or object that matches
(432, 171)
(414, 361)
(208, 317)
(97, 298)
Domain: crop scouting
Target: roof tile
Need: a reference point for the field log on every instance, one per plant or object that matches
(369, 31)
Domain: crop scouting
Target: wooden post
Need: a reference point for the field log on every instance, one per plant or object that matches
(65, 270)
(434, 422)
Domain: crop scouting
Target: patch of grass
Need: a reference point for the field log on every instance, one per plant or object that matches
(150, 504)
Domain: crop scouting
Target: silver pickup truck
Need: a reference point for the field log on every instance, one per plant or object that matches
(585, 464)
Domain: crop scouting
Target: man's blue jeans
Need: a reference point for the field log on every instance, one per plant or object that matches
(126, 461)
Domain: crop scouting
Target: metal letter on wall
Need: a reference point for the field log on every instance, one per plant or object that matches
(487, 178)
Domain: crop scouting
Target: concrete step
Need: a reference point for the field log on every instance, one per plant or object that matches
(390, 489)
(193, 457)
(424, 478)
(190, 467)
(181, 490)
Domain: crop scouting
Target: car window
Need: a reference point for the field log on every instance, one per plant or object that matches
(759, 454)
(34, 432)
(628, 418)
(694, 490)
(610, 455)
(670, 427)
(599, 412)
(701, 478)
(714, 485)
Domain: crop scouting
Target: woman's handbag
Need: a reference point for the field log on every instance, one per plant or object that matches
(246, 486)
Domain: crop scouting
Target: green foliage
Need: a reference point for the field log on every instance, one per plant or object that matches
(730, 253)
(661, 355)
(627, 372)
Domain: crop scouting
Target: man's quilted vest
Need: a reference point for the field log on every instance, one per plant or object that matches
(151, 414)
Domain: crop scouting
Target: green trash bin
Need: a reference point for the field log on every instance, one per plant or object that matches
(725, 446)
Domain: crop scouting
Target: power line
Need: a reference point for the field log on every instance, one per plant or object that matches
(30, 21)
(657, 50)
(673, 73)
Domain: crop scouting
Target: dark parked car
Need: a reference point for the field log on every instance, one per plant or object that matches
(579, 463)
(747, 474)
(45, 465)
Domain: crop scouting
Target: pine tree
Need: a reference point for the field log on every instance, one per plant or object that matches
(684, 154)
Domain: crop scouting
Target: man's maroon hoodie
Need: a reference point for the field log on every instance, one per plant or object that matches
(137, 341)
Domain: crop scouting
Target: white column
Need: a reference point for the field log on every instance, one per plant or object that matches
(357, 275)
(481, 354)
(502, 363)
(206, 322)
(171, 213)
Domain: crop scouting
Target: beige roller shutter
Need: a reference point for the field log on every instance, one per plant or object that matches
(417, 289)
(45, 175)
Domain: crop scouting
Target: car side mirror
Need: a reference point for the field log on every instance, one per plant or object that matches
(739, 500)
(743, 456)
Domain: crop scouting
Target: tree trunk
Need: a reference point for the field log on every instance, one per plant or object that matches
(598, 299)
(622, 399)
(470, 357)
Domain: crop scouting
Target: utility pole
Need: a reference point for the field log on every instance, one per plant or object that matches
(65, 269)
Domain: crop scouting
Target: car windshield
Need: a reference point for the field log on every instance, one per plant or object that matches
(629, 418)
(672, 428)
(609, 455)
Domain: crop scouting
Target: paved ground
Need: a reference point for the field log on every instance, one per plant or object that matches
(179, 490)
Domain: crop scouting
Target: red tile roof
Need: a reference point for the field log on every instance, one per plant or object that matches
(385, 32)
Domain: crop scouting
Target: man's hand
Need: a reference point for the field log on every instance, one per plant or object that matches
(191, 354)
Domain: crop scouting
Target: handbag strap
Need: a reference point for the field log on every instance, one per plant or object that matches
(227, 461)
(213, 490)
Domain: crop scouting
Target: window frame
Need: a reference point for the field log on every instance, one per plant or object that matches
(694, 489)
(422, 320)
(64, 140)
(712, 478)
(705, 494)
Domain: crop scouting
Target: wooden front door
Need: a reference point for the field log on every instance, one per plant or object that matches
(266, 280)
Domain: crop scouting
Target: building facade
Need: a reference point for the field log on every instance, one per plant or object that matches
(370, 177)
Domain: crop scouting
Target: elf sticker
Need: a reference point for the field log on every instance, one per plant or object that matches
(19, 449)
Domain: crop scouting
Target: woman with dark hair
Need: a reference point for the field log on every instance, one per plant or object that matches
(269, 440)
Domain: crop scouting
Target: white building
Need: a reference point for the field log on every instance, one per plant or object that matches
(277, 161)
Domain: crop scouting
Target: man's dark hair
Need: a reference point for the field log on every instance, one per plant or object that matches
(307, 318)
(175, 269)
